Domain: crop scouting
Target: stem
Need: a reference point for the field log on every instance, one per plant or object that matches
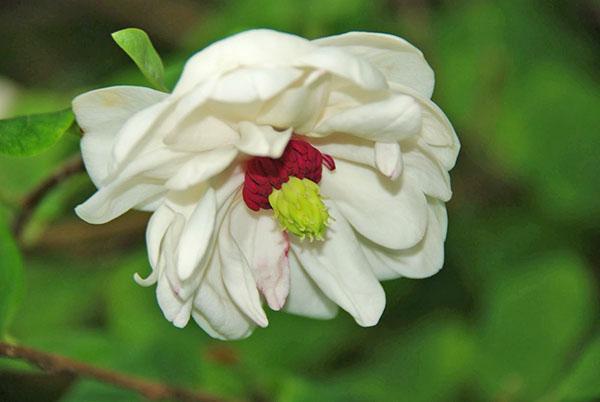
(149, 389)
(33, 198)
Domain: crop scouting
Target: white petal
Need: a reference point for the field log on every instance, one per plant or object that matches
(202, 167)
(134, 132)
(298, 107)
(262, 140)
(168, 301)
(250, 48)
(199, 134)
(96, 149)
(109, 108)
(101, 113)
(227, 183)
(427, 174)
(155, 231)
(133, 186)
(113, 201)
(341, 270)
(421, 261)
(397, 59)
(305, 297)
(175, 308)
(214, 310)
(344, 64)
(237, 274)
(265, 250)
(347, 147)
(392, 119)
(437, 134)
(252, 84)
(186, 205)
(388, 159)
(196, 235)
(390, 213)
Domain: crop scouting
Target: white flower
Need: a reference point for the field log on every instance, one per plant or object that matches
(338, 135)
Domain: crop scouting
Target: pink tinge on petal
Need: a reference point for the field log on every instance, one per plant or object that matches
(273, 280)
(299, 159)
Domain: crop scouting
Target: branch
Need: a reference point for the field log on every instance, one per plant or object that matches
(32, 200)
(55, 363)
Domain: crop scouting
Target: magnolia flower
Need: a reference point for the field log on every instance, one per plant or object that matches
(280, 170)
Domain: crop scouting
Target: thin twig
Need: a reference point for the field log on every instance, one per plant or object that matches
(33, 198)
(149, 389)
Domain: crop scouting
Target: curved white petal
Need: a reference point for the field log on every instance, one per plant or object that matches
(305, 298)
(341, 270)
(347, 147)
(398, 60)
(101, 113)
(262, 140)
(109, 108)
(214, 311)
(388, 159)
(155, 232)
(134, 132)
(113, 201)
(200, 133)
(298, 107)
(437, 134)
(392, 119)
(390, 213)
(250, 84)
(237, 274)
(344, 64)
(201, 167)
(251, 48)
(265, 250)
(195, 238)
(175, 308)
(421, 261)
(427, 174)
(140, 183)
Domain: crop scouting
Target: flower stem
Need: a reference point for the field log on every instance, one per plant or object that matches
(59, 364)
(34, 197)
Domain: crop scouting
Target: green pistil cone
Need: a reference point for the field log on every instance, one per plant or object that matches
(299, 208)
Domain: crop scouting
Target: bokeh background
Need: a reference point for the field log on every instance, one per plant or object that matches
(513, 316)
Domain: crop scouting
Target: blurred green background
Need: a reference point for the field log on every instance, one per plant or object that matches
(513, 316)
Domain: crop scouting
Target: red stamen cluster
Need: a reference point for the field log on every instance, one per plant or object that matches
(300, 159)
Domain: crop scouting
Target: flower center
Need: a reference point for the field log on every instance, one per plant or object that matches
(299, 209)
(288, 185)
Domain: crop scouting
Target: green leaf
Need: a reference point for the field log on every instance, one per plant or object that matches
(583, 383)
(532, 319)
(11, 277)
(138, 46)
(32, 134)
(429, 362)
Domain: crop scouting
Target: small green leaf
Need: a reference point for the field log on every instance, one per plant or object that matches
(32, 134)
(11, 277)
(138, 46)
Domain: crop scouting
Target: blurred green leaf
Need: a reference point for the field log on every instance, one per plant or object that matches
(11, 277)
(32, 134)
(430, 362)
(137, 44)
(531, 319)
(555, 152)
(583, 382)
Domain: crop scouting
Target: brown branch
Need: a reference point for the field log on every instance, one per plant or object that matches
(59, 364)
(32, 199)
